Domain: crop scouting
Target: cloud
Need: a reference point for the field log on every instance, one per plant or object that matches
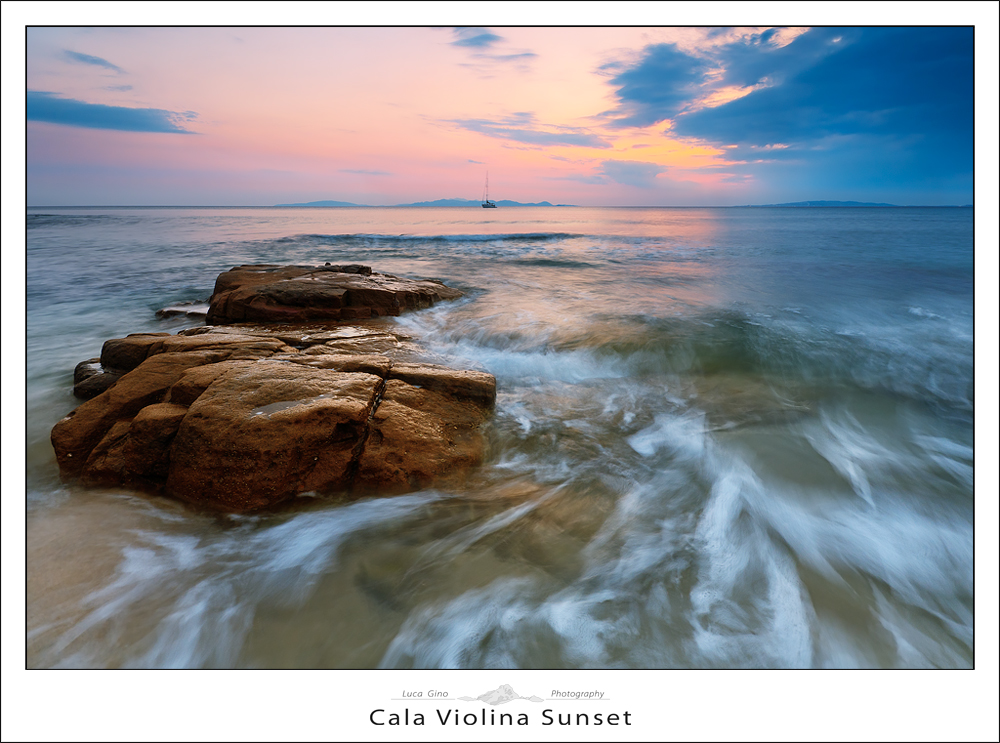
(521, 127)
(364, 172)
(878, 107)
(44, 106)
(894, 83)
(118, 88)
(482, 42)
(91, 60)
(821, 83)
(757, 59)
(659, 86)
(477, 38)
(632, 172)
(510, 57)
(477, 162)
(590, 180)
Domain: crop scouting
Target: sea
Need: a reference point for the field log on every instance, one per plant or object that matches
(723, 438)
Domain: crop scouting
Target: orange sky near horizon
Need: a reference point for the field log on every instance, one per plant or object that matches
(609, 116)
(366, 115)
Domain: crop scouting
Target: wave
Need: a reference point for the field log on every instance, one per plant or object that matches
(364, 238)
(68, 220)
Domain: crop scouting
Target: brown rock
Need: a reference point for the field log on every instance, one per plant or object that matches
(234, 346)
(266, 431)
(241, 435)
(86, 369)
(419, 437)
(266, 293)
(245, 417)
(125, 354)
(191, 309)
(76, 435)
(196, 380)
(146, 454)
(106, 463)
(90, 379)
(466, 385)
(365, 363)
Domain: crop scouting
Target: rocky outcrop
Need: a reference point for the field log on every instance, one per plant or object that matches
(240, 418)
(293, 294)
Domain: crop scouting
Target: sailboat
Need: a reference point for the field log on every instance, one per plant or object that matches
(487, 204)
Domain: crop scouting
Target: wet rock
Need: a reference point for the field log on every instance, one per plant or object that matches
(75, 436)
(191, 309)
(86, 369)
(91, 379)
(194, 381)
(418, 437)
(465, 385)
(146, 454)
(263, 432)
(366, 363)
(125, 354)
(241, 420)
(269, 293)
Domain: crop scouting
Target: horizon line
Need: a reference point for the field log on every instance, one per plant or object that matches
(798, 205)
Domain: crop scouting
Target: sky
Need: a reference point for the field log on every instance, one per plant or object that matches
(616, 116)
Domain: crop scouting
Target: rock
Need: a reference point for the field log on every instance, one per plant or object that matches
(466, 385)
(194, 381)
(418, 437)
(86, 369)
(241, 420)
(75, 436)
(90, 379)
(263, 432)
(186, 309)
(125, 354)
(290, 294)
(146, 454)
(366, 363)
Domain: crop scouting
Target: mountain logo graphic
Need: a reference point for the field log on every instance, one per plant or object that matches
(501, 695)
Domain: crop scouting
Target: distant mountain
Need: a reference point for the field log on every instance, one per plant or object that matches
(827, 203)
(472, 202)
(323, 203)
(444, 202)
(438, 202)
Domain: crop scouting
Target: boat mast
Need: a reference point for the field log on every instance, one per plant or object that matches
(487, 204)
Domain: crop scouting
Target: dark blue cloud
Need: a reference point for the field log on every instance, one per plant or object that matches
(474, 37)
(867, 108)
(520, 127)
(755, 59)
(892, 81)
(43, 106)
(91, 60)
(659, 86)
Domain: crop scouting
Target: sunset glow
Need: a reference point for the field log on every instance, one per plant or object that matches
(592, 116)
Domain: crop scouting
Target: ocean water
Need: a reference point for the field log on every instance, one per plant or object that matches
(724, 438)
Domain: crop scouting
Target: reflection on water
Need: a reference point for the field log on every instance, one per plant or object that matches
(714, 446)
